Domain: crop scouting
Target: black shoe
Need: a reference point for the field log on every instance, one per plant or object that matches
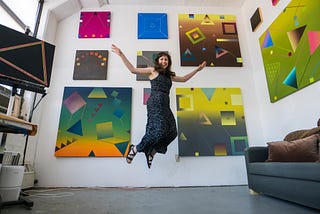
(131, 154)
(149, 158)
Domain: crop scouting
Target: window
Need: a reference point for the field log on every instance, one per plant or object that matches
(25, 10)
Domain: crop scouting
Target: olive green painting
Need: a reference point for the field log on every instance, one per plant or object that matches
(290, 49)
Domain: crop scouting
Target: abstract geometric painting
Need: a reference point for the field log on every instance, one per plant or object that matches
(145, 59)
(152, 26)
(256, 19)
(211, 122)
(275, 2)
(146, 95)
(213, 38)
(290, 49)
(94, 25)
(94, 122)
(90, 65)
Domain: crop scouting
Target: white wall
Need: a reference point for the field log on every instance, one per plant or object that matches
(265, 121)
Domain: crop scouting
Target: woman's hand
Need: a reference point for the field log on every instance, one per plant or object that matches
(116, 50)
(202, 65)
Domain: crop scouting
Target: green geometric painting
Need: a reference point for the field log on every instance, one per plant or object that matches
(290, 49)
(94, 121)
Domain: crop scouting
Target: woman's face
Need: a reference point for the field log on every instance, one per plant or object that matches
(163, 61)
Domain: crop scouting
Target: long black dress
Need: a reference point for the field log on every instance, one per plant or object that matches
(161, 127)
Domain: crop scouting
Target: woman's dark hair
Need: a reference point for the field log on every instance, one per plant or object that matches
(167, 71)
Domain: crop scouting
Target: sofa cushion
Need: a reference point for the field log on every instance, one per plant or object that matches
(294, 170)
(295, 135)
(302, 150)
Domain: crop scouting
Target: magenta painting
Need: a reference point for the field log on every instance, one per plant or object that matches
(94, 24)
(146, 95)
(275, 2)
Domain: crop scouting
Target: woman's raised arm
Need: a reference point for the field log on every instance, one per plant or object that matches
(128, 64)
(188, 76)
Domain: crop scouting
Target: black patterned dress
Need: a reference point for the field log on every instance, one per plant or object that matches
(161, 127)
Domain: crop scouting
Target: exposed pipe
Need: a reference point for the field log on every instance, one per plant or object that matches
(38, 15)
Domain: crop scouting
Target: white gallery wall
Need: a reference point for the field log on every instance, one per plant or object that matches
(108, 171)
(265, 121)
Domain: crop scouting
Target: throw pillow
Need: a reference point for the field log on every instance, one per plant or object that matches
(295, 135)
(299, 134)
(302, 150)
(311, 132)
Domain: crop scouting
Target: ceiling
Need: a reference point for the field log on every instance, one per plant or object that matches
(65, 8)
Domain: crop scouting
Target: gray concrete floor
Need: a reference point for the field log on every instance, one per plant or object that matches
(186, 200)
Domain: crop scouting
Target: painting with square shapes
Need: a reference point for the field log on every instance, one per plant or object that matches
(211, 122)
(209, 37)
(145, 59)
(152, 26)
(90, 65)
(94, 121)
(94, 24)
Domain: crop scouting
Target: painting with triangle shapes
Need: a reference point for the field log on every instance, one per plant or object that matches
(94, 24)
(94, 121)
(211, 122)
(209, 37)
(290, 49)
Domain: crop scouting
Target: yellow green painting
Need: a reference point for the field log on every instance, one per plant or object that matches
(211, 122)
(290, 49)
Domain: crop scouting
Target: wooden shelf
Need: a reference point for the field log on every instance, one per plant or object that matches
(9, 124)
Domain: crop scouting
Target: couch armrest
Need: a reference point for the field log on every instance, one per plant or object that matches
(256, 154)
